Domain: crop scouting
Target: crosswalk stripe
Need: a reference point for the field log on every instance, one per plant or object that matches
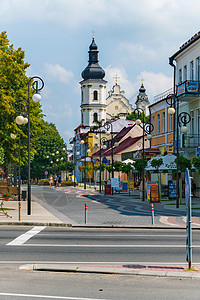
(20, 240)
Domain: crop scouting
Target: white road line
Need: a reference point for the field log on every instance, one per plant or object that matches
(46, 296)
(20, 240)
(110, 246)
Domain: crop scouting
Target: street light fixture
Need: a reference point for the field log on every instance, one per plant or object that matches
(34, 81)
(182, 118)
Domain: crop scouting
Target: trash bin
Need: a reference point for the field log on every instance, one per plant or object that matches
(24, 195)
(107, 189)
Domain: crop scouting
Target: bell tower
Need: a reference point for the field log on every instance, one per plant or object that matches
(93, 90)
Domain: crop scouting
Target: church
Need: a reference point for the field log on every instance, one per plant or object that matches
(95, 106)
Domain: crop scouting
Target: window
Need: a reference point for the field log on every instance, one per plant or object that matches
(82, 118)
(180, 75)
(153, 123)
(192, 122)
(158, 124)
(163, 122)
(185, 73)
(198, 68)
(95, 95)
(191, 70)
(81, 96)
(170, 123)
(95, 117)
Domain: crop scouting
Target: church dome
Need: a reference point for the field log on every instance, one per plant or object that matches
(142, 89)
(93, 70)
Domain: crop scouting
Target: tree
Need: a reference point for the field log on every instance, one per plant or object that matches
(48, 143)
(196, 163)
(109, 168)
(127, 168)
(138, 164)
(134, 115)
(14, 86)
(183, 163)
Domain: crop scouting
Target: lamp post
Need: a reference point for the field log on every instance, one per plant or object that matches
(147, 128)
(87, 150)
(182, 118)
(34, 81)
(20, 107)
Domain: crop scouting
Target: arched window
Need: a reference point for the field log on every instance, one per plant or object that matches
(95, 95)
(95, 117)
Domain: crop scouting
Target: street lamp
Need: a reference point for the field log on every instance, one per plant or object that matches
(87, 150)
(147, 128)
(34, 81)
(182, 118)
(20, 107)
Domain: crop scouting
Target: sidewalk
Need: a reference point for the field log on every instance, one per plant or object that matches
(39, 215)
(180, 271)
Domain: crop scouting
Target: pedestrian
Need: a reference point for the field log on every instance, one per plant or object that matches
(50, 181)
(59, 180)
(55, 178)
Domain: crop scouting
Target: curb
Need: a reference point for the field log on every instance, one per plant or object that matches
(35, 224)
(105, 270)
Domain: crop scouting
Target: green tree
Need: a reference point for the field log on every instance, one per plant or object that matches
(138, 164)
(196, 163)
(183, 163)
(14, 86)
(48, 143)
(134, 115)
(1, 156)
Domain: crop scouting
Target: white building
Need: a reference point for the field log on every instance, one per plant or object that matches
(93, 90)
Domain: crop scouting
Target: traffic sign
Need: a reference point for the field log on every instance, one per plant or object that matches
(46, 172)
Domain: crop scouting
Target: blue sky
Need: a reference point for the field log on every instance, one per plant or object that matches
(135, 39)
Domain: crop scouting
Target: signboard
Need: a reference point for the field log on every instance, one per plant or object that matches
(131, 184)
(187, 186)
(154, 194)
(125, 186)
(115, 183)
(198, 152)
(192, 87)
(172, 189)
(181, 89)
(46, 172)
(149, 185)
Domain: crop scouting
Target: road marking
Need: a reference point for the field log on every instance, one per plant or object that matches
(110, 246)
(47, 297)
(20, 240)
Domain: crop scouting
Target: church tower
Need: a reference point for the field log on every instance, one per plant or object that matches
(93, 90)
(142, 100)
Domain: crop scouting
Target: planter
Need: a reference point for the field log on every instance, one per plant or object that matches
(7, 198)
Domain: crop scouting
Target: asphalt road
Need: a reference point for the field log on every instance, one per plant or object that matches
(31, 245)
(19, 284)
(22, 245)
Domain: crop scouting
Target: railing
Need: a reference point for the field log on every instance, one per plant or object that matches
(191, 141)
(163, 95)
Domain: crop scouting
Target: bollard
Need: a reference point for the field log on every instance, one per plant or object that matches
(85, 213)
(19, 211)
(152, 212)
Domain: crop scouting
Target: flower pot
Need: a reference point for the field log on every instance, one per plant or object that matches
(7, 198)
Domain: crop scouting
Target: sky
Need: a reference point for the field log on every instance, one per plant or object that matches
(135, 40)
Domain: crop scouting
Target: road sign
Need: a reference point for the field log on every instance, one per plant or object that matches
(187, 186)
(46, 172)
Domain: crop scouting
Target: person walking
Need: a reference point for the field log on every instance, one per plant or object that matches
(55, 178)
(50, 181)
(59, 180)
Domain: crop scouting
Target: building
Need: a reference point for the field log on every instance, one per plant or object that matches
(142, 101)
(117, 103)
(93, 90)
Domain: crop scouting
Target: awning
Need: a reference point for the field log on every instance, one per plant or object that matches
(168, 166)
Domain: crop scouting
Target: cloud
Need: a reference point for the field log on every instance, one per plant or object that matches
(122, 80)
(57, 72)
(155, 83)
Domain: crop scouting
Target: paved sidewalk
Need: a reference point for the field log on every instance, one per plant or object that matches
(39, 215)
(180, 271)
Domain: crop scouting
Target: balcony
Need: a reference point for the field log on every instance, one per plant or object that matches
(188, 90)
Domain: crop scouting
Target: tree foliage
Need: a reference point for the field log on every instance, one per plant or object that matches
(156, 163)
(48, 144)
(138, 164)
(196, 163)
(183, 163)
(14, 86)
(134, 115)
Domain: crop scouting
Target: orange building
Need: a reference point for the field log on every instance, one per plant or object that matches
(162, 134)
